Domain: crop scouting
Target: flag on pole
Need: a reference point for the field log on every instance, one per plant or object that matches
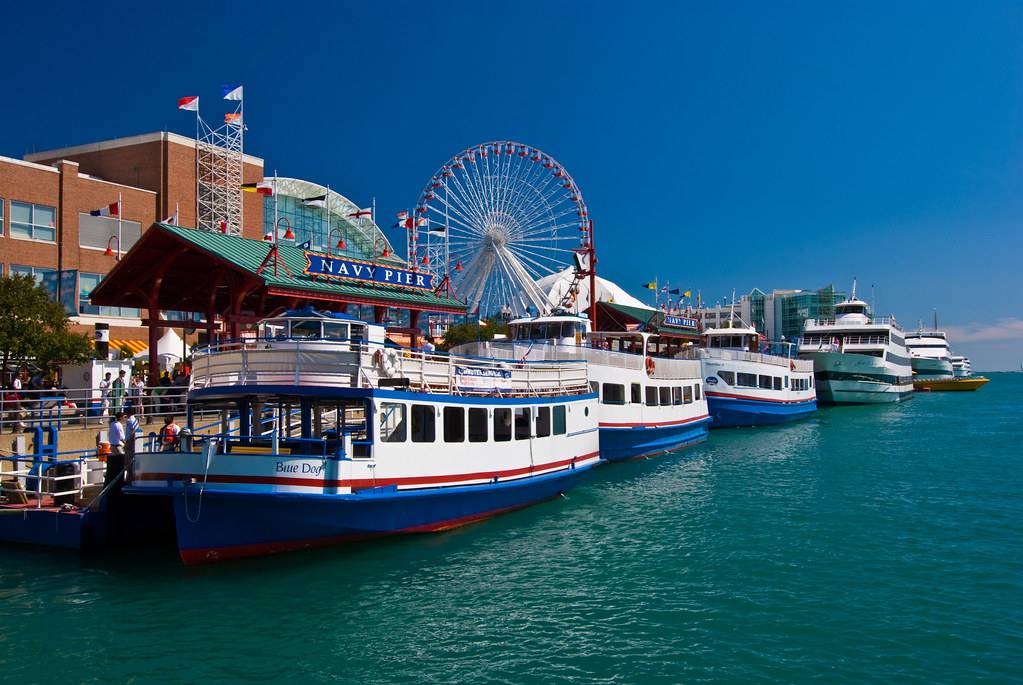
(191, 103)
(650, 286)
(307, 245)
(438, 229)
(263, 188)
(402, 216)
(318, 201)
(233, 118)
(109, 210)
(676, 291)
(421, 221)
(359, 213)
(232, 92)
(688, 293)
(172, 219)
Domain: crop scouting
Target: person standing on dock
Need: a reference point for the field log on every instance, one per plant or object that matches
(115, 462)
(118, 392)
(104, 393)
(132, 431)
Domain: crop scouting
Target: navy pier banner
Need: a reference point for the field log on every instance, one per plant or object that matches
(680, 321)
(334, 267)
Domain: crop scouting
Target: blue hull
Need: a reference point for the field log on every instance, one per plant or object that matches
(237, 524)
(621, 443)
(730, 411)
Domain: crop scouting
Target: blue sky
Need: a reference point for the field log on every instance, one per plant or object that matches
(718, 145)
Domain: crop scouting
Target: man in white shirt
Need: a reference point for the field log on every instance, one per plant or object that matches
(115, 462)
(104, 392)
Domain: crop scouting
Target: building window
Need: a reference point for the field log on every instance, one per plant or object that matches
(33, 222)
(1, 226)
(454, 424)
(44, 277)
(392, 422)
(96, 232)
(86, 284)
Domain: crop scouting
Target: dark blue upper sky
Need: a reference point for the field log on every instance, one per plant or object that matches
(718, 145)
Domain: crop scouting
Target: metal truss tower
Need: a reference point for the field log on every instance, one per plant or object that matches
(219, 158)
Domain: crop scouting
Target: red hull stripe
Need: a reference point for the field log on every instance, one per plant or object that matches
(370, 482)
(213, 554)
(656, 424)
(758, 399)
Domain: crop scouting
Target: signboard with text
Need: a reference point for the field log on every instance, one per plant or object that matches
(476, 378)
(679, 322)
(353, 270)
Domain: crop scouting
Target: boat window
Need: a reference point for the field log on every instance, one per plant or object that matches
(777, 382)
(747, 380)
(595, 388)
(477, 425)
(665, 396)
(559, 419)
(358, 333)
(786, 381)
(543, 422)
(424, 419)
(392, 422)
(454, 424)
(274, 329)
(651, 396)
(333, 330)
(687, 394)
(676, 395)
(502, 425)
(538, 331)
(523, 419)
(305, 329)
(727, 376)
(766, 383)
(811, 381)
(637, 393)
(614, 393)
(696, 392)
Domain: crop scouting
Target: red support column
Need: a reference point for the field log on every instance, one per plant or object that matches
(154, 338)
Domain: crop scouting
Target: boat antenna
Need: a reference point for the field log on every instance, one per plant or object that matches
(873, 300)
(935, 318)
(731, 311)
(854, 289)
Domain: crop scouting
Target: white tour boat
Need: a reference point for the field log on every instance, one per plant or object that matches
(324, 433)
(651, 401)
(750, 383)
(857, 358)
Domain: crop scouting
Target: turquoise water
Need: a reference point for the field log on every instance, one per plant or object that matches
(868, 544)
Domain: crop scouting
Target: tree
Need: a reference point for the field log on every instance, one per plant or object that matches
(34, 328)
(470, 332)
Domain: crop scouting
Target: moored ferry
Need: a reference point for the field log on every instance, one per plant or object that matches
(747, 385)
(326, 433)
(651, 399)
(857, 358)
(929, 354)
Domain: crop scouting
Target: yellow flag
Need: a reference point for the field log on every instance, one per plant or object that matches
(688, 293)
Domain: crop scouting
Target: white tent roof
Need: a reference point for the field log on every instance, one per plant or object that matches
(556, 285)
(169, 345)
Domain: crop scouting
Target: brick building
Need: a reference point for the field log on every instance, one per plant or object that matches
(46, 229)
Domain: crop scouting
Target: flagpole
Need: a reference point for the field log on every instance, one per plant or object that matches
(120, 206)
(275, 206)
(197, 162)
(326, 206)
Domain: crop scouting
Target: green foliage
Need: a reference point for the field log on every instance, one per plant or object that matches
(33, 328)
(471, 332)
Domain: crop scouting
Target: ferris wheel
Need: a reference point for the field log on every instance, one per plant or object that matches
(493, 220)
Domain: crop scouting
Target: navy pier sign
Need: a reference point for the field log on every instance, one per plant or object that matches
(334, 267)
(679, 322)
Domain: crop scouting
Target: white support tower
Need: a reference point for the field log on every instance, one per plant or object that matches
(219, 158)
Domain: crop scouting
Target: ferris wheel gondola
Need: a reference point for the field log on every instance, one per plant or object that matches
(493, 220)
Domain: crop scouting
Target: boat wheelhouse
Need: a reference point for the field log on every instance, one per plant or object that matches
(929, 355)
(319, 431)
(751, 383)
(651, 399)
(857, 358)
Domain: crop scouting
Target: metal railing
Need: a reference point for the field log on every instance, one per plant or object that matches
(801, 365)
(21, 410)
(680, 368)
(359, 363)
(41, 477)
(874, 321)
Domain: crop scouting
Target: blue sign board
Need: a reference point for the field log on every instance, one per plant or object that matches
(334, 267)
(679, 322)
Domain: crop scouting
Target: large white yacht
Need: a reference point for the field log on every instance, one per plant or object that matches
(929, 354)
(961, 366)
(857, 358)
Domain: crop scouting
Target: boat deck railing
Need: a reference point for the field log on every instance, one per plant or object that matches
(364, 364)
(800, 365)
(664, 368)
(38, 480)
(875, 321)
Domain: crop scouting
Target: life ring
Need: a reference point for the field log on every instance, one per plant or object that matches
(650, 366)
(387, 362)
